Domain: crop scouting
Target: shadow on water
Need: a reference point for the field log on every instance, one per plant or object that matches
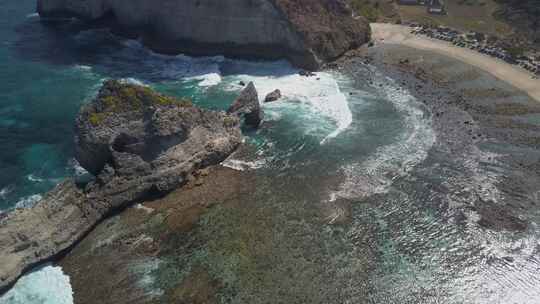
(71, 42)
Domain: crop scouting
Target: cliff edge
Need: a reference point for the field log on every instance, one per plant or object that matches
(306, 32)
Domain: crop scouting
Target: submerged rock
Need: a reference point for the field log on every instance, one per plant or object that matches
(138, 143)
(248, 106)
(307, 32)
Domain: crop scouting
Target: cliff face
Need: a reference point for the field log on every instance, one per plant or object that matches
(307, 32)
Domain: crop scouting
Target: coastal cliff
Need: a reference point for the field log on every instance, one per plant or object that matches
(306, 32)
(138, 144)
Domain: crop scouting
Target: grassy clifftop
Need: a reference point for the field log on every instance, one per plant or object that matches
(524, 15)
(116, 97)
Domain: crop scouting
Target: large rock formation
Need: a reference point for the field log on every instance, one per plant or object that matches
(247, 105)
(307, 32)
(138, 143)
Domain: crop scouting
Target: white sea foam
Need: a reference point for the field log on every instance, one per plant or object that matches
(33, 15)
(34, 178)
(6, 190)
(506, 271)
(46, 285)
(377, 173)
(207, 80)
(82, 67)
(144, 208)
(205, 70)
(28, 201)
(78, 170)
(322, 92)
(242, 165)
(131, 80)
(144, 270)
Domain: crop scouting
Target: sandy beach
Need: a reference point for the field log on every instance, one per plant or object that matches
(517, 77)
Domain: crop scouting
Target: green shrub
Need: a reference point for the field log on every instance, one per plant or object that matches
(96, 118)
(120, 97)
(366, 8)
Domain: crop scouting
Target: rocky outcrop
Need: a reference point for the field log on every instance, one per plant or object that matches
(307, 32)
(138, 143)
(248, 106)
(30, 236)
(273, 96)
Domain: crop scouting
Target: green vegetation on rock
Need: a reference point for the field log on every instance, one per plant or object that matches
(125, 97)
(366, 8)
(229, 121)
(118, 97)
(96, 118)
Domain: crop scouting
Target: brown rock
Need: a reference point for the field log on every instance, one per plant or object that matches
(273, 96)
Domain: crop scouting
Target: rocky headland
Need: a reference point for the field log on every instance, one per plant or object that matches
(138, 144)
(307, 32)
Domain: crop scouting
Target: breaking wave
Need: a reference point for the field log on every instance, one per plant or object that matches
(45, 285)
(321, 92)
(377, 173)
(29, 201)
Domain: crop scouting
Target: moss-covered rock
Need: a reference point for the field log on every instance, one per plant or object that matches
(134, 119)
(117, 97)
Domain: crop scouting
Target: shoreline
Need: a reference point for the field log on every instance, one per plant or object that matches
(383, 33)
(469, 121)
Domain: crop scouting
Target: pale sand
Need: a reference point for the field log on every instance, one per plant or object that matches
(514, 75)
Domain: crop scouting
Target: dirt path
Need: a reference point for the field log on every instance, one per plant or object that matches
(517, 77)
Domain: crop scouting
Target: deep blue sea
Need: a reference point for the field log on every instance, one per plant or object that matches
(369, 144)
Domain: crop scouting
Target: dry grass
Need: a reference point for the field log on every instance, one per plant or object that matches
(464, 15)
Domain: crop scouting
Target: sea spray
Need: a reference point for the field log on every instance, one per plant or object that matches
(29, 201)
(376, 174)
(321, 92)
(45, 285)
